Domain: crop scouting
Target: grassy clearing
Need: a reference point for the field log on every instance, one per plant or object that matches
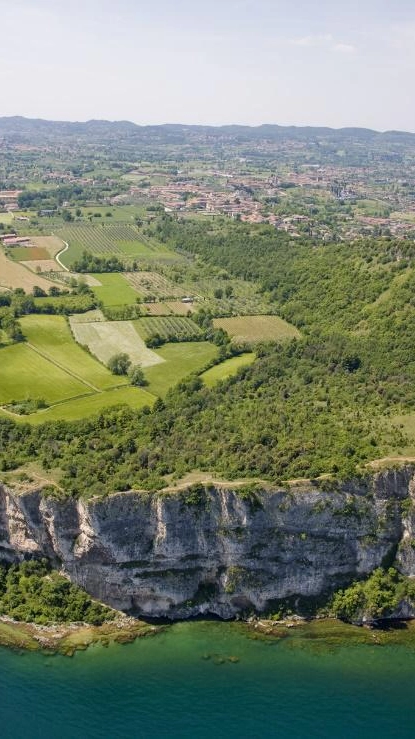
(168, 327)
(252, 329)
(227, 368)
(25, 374)
(78, 408)
(114, 289)
(52, 244)
(51, 335)
(106, 338)
(180, 360)
(179, 308)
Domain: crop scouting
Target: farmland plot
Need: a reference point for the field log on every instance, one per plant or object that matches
(13, 274)
(106, 338)
(120, 239)
(177, 328)
(153, 283)
(180, 360)
(51, 336)
(252, 329)
(113, 289)
(26, 374)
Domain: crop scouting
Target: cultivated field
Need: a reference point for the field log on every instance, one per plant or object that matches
(168, 327)
(179, 308)
(24, 253)
(26, 374)
(13, 274)
(156, 309)
(52, 244)
(42, 265)
(77, 408)
(120, 239)
(89, 317)
(51, 336)
(227, 368)
(106, 338)
(252, 329)
(152, 283)
(180, 360)
(114, 289)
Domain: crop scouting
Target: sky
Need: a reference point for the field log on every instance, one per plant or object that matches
(291, 62)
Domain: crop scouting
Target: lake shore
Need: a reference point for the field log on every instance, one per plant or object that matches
(66, 639)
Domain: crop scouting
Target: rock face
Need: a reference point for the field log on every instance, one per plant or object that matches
(216, 550)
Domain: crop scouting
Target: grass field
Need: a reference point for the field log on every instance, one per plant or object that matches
(114, 289)
(226, 369)
(78, 408)
(51, 336)
(179, 327)
(26, 374)
(52, 244)
(252, 329)
(180, 360)
(106, 338)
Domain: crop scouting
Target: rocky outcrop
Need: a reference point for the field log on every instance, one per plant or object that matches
(218, 549)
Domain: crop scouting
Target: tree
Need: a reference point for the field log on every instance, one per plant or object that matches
(119, 364)
(136, 376)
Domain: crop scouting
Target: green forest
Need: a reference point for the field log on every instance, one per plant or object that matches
(321, 404)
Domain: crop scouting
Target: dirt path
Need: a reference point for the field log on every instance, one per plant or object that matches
(58, 255)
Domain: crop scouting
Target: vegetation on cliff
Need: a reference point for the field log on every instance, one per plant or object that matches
(375, 598)
(33, 592)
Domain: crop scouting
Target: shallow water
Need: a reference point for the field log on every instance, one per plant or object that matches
(181, 684)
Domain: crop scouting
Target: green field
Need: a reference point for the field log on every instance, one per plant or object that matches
(181, 359)
(168, 327)
(227, 368)
(252, 329)
(114, 289)
(78, 408)
(51, 336)
(105, 239)
(26, 374)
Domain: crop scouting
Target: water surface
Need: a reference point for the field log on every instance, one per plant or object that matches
(182, 684)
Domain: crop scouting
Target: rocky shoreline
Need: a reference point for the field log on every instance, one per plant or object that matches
(69, 638)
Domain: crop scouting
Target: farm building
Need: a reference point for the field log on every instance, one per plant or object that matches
(17, 241)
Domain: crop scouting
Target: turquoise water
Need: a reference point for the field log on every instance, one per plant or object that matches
(181, 684)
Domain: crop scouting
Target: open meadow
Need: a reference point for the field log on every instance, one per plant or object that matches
(113, 289)
(52, 337)
(226, 369)
(179, 361)
(72, 410)
(253, 329)
(25, 375)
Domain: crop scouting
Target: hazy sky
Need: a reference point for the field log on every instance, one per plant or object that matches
(300, 62)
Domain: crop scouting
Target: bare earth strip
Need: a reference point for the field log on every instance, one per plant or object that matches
(13, 274)
(106, 338)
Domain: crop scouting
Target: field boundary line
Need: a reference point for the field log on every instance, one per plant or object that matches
(62, 367)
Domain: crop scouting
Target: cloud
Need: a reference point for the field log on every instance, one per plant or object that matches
(344, 48)
(323, 41)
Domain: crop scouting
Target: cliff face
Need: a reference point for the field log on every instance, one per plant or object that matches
(178, 555)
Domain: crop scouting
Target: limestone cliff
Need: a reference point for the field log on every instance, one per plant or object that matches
(216, 550)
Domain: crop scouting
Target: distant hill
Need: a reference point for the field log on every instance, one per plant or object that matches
(18, 128)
